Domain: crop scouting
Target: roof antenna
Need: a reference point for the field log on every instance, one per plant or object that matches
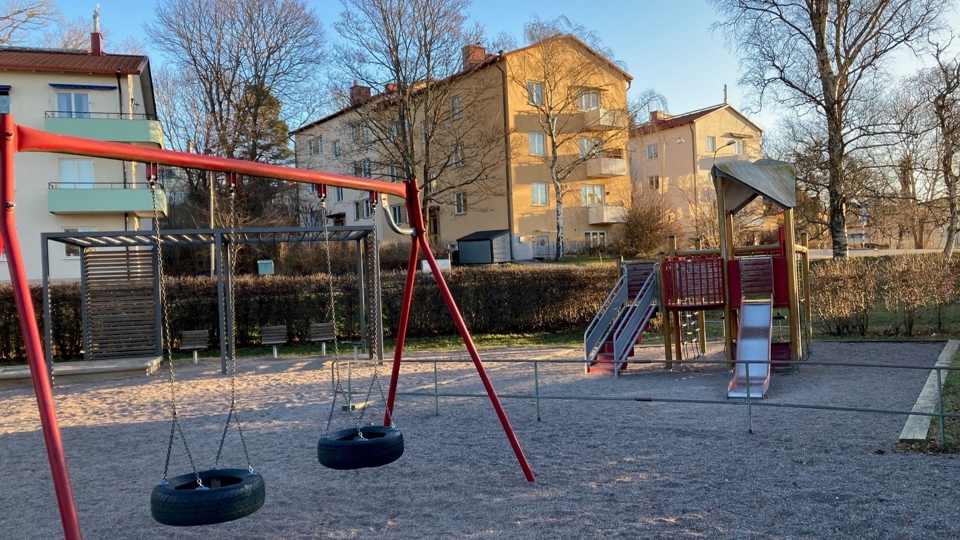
(724, 94)
(96, 19)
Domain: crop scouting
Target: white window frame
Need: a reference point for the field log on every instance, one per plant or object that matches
(538, 143)
(460, 203)
(399, 213)
(595, 238)
(310, 148)
(539, 194)
(395, 173)
(338, 194)
(588, 100)
(74, 111)
(590, 147)
(337, 150)
(654, 181)
(456, 160)
(591, 195)
(68, 248)
(456, 107)
(653, 151)
(534, 92)
(362, 209)
(711, 144)
(76, 166)
(432, 184)
(740, 147)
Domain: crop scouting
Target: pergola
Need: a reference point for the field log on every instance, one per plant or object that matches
(119, 282)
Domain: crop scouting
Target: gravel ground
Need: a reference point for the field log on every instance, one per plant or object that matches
(610, 469)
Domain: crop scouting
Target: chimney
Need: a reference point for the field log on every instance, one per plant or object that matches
(657, 116)
(391, 88)
(359, 94)
(96, 38)
(473, 56)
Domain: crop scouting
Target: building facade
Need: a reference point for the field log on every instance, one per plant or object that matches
(95, 95)
(494, 170)
(671, 157)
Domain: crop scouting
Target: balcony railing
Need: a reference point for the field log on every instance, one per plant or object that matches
(104, 198)
(604, 119)
(98, 185)
(109, 115)
(607, 163)
(599, 215)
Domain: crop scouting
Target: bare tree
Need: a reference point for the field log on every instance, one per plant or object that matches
(824, 57)
(431, 119)
(941, 92)
(63, 33)
(569, 75)
(19, 19)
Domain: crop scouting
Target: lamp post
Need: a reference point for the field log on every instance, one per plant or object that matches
(728, 143)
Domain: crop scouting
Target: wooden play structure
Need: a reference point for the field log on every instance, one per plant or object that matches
(732, 279)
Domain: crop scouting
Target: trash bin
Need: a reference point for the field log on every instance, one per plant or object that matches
(265, 267)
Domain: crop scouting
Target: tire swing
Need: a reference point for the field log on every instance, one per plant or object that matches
(359, 446)
(214, 495)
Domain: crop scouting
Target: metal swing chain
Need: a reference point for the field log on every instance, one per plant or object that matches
(175, 425)
(332, 312)
(233, 414)
(375, 340)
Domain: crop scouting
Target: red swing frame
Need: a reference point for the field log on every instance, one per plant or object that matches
(22, 139)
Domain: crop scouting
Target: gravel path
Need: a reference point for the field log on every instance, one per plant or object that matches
(610, 469)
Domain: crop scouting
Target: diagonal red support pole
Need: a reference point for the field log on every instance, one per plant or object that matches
(416, 217)
(402, 327)
(31, 336)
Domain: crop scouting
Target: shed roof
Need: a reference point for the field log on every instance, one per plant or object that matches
(743, 181)
(483, 235)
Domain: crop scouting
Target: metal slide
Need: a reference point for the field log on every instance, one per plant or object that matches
(753, 343)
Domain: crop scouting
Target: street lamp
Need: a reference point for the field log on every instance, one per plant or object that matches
(728, 143)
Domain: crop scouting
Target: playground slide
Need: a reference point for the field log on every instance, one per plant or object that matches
(753, 343)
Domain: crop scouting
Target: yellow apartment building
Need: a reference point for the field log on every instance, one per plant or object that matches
(96, 95)
(498, 99)
(671, 157)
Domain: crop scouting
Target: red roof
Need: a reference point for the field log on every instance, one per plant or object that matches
(674, 121)
(70, 61)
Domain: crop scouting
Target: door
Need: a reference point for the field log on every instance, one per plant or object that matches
(541, 250)
(434, 216)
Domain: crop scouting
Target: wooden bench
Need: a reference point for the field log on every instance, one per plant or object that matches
(194, 340)
(273, 335)
(323, 332)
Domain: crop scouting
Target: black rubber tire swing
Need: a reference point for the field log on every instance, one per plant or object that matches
(228, 494)
(345, 450)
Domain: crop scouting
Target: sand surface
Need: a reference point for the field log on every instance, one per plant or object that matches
(604, 468)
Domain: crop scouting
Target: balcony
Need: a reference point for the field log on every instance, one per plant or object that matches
(602, 215)
(113, 127)
(103, 198)
(604, 120)
(607, 164)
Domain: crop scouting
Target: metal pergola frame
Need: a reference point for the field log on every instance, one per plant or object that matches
(205, 237)
(17, 138)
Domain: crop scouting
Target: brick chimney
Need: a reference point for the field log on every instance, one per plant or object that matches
(390, 88)
(658, 116)
(359, 94)
(96, 38)
(473, 56)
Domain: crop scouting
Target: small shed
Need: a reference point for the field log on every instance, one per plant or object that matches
(485, 247)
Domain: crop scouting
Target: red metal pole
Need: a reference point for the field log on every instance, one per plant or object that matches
(402, 327)
(417, 219)
(31, 337)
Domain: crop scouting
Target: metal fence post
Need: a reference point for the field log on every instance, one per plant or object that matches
(943, 434)
(536, 388)
(436, 390)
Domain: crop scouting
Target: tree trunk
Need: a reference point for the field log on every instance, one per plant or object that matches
(951, 183)
(559, 197)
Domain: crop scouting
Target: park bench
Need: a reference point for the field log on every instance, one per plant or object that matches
(194, 340)
(273, 335)
(322, 332)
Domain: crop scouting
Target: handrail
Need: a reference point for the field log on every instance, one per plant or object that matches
(599, 327)
(640, 312)
(93, 114)
(97, 185)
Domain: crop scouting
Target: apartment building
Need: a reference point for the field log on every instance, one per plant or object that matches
(107, 97)
(493, 172)
(671, 157)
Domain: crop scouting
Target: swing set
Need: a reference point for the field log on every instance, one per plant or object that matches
(243, 489)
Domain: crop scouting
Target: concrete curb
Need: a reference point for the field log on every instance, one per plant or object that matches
(917, 427)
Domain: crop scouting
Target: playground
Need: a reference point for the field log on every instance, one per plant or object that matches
(612, 469)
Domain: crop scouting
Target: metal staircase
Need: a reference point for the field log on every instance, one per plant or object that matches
(619, 324)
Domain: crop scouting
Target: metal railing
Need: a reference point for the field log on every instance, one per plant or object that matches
(108, 115)
(602, 323)
(97, 185)
(748, 403)
(639, 313)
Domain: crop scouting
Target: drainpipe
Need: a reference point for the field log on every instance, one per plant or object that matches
(506, 150)
(123, 164)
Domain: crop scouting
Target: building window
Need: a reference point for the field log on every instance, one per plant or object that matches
(423, 132)
(432, 184)
(456, 159)
(76, 173)
(539, 194)
(5, 104)
(711, 144)
(654, 182)
(595, 238)
(73, 252)
(653, 151)
(395, 173)
(312, 147)
(460, 203)
(362, 209)
(538, 144)
(588, 100)
(338, 194)
(535, 93)
(740, 147)
(591, 196)
(590, 147)
(399, 213)
(456, 108)
(73, 105)
(363, 169)
(336, 148)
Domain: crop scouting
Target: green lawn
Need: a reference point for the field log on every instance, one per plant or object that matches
(951, 404)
